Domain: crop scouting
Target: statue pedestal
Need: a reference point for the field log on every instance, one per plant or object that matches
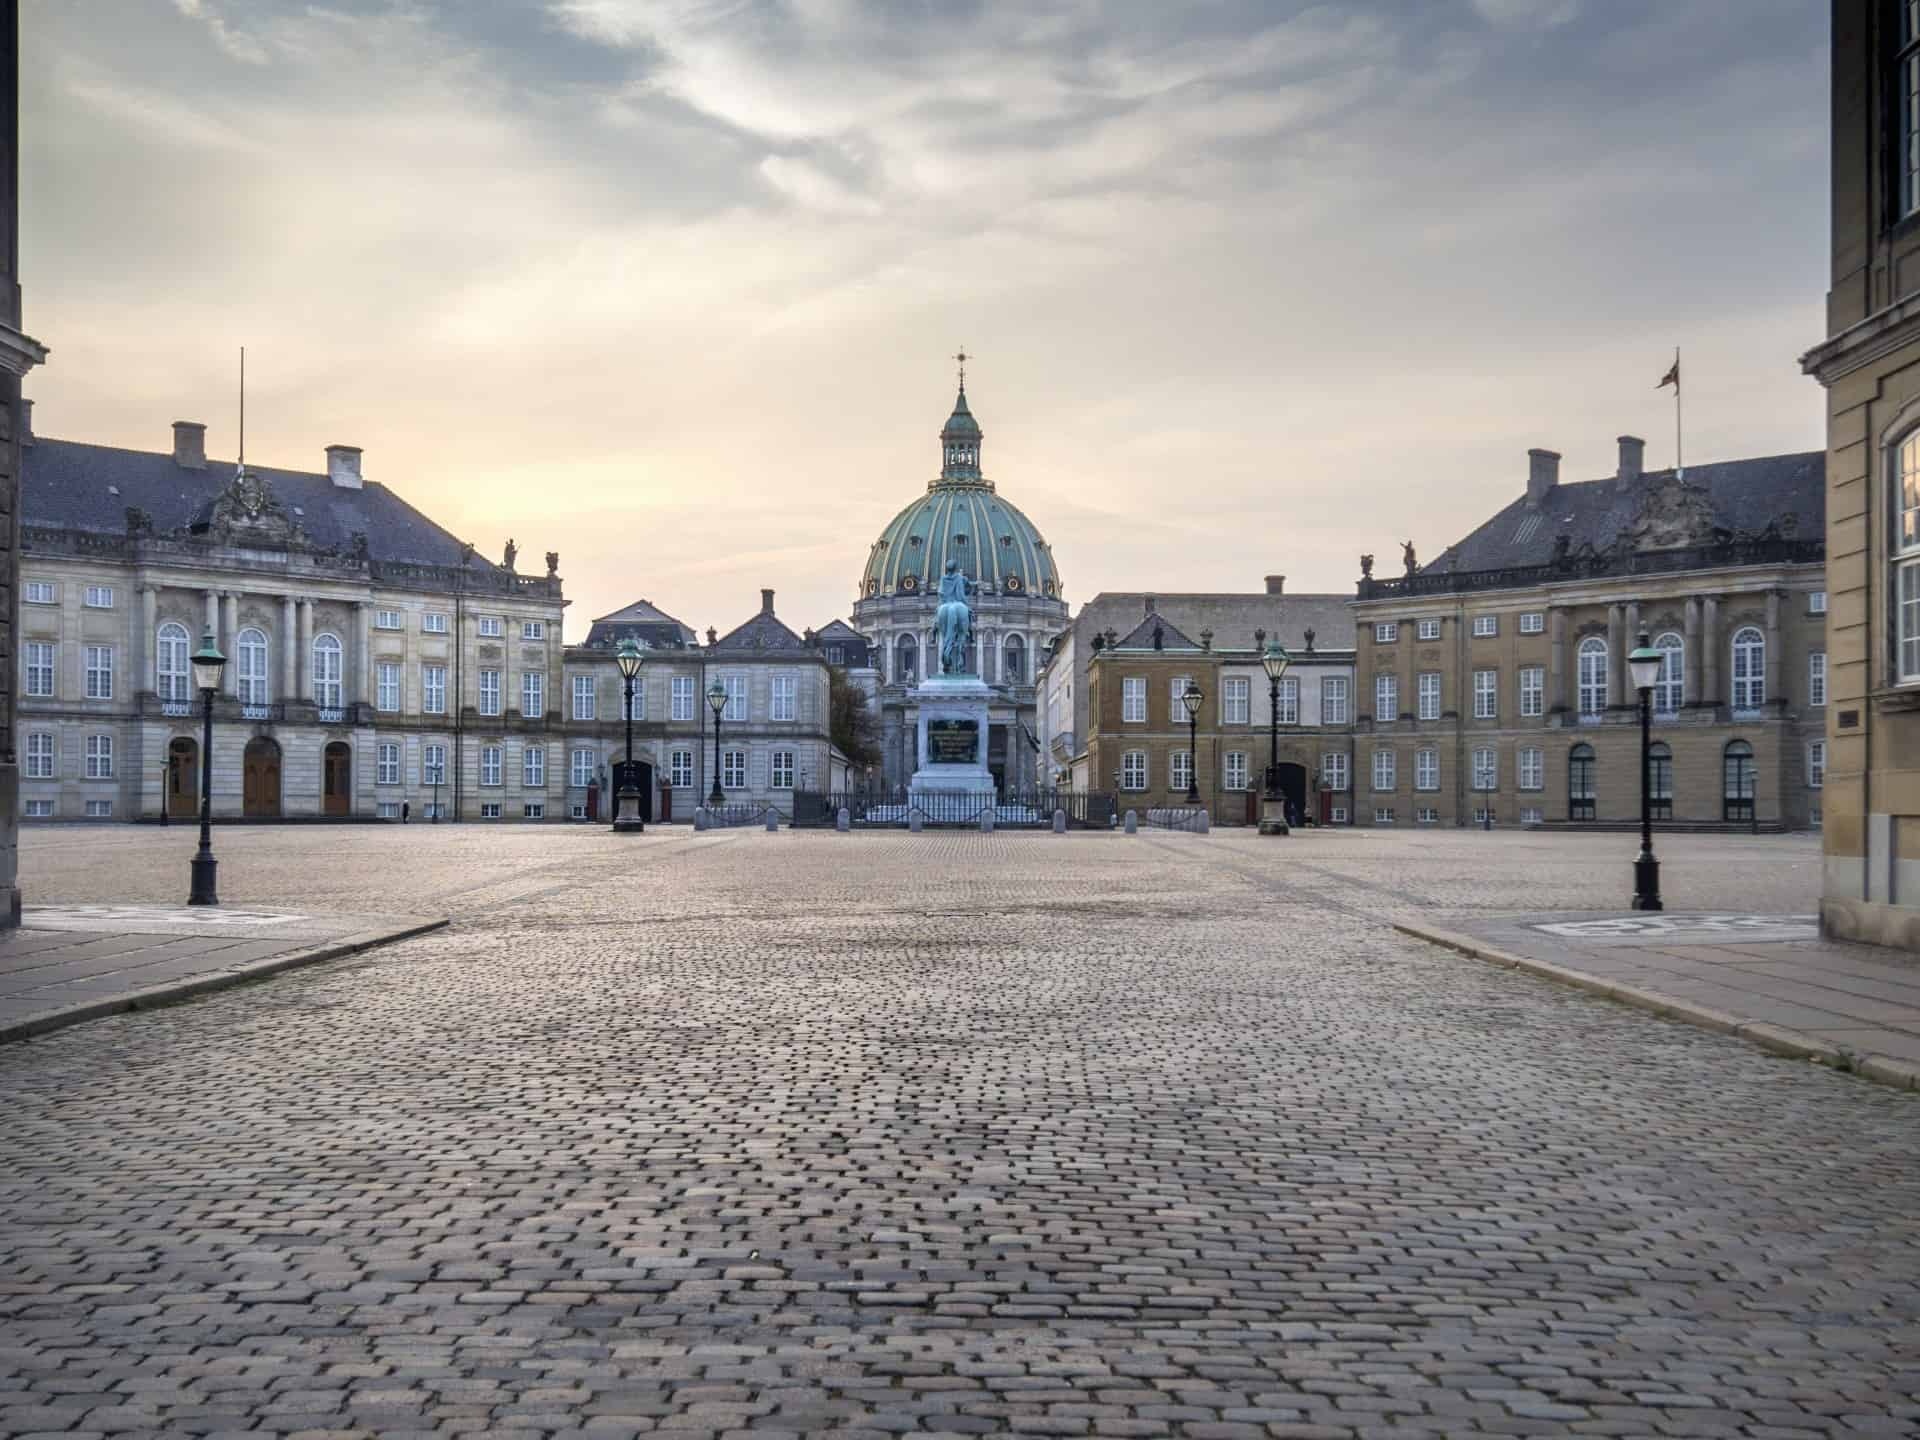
(951, 738)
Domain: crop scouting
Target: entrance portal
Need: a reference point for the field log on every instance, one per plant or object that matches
(336, 771)
(183, 778)
(261, 796)
(1293, 784)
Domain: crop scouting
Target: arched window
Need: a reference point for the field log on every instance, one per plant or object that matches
(326, 671)
(1669, 692)
(1660, 779)
(1738, 776)
(250, 667)
(1016, 660)
(1593, 675)
(1580, 782)
(170, 656)
(1749, 669)
(906, 657)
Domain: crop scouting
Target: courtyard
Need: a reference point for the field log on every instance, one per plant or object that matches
(784, 1133)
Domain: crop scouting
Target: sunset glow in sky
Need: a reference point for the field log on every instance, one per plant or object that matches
(670, 286)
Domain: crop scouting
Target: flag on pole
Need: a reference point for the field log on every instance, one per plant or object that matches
(1672, 377)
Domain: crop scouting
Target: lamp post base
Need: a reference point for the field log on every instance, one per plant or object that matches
(626, 813)
(1646, 883)
(202, 890)
(1273, 816)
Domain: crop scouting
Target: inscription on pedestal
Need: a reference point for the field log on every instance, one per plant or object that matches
(953, 742)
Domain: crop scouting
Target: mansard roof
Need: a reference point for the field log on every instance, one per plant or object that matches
(1141, 636)
(646, 623)
(839, 630)
(763, 634)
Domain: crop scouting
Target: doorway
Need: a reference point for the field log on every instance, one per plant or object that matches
(183, 778)
(336, 773)
(261, 773)
(1293, 784)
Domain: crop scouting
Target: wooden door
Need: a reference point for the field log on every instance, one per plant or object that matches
(337, 779)
(261, 800)
(183, 779)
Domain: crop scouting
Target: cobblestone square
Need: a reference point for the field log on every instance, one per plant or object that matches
(786, 1133)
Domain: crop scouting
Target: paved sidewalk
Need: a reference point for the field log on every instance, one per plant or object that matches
(75, 962)
(1769, 978)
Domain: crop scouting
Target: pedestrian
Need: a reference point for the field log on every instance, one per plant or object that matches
(406, 811)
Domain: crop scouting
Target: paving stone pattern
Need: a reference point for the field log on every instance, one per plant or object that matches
(782, 1134)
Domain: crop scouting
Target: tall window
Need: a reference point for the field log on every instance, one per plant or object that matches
(36, 663)
(99, 672)
(733, 770)
(1738, 781)
(780, 770)
(1386, 699)
(1907, 558)
(1333, 769)
(1427, 695)
(1133, 769)
(786, 689)
(1906, 98)
(1817, 678)
(680, 767)
(736, 700)
(533, 767)
(1180, 770)
(1816, 764)
(326, 671)
(1580, 797)
(1669, 691)
(433, 689)
(1486, 769)
(386, 690)
(489, 692)
(250, 667)
(1289, 700)
(1486, 694)
(40, 756)
(1333, 700)
(639, 705)
(1016, 660)
(1593, 675)
(489, 764)
(533, 693)
(170, 661)
(682, 691)
(1533, 686)
(1133, 700)
(583, 697)
(433, 765)
(1236, 770)
(1660, 780)
(1749, 669)
(1532, 772)
(1175, 689)
(387, 763)
(1426, 770)
(581, 772)
(906, 660)
(1383, 770)
(99, 757)
(1235, 700)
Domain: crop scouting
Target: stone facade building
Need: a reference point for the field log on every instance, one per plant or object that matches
(1493, 681)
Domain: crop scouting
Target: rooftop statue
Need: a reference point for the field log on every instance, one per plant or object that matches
(953, 622)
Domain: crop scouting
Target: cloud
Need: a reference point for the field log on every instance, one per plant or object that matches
(234, 44)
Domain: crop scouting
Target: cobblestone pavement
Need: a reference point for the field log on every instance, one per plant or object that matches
(946, 1133)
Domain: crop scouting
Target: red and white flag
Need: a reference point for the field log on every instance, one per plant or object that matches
(1672, 377)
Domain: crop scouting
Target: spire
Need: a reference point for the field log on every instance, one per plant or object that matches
(960, 438)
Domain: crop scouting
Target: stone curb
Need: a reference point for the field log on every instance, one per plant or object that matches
(185, 989)
(1883, 1069)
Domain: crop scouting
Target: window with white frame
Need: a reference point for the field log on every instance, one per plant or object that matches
(533, 629)
(99, 672)
(736, 700)
(1333, 769)
(682, 693)
(41, 592)
(489, 809)
(1236, 702)
(1427, 815)
(326, 672)
(1532, 815)
(433, 765)
(1533, 688)
(39, 809)
(99, 809)
(1749, 669)
(387, 763)
(386, 810)
(387, 620)
(1532, 622)
(1333, 700)
(1179, 770)
(1485, 625)
(1532, 768)
(1427, 695)
(490, 765)
(639, 705)
(1429, 630)
(434, 622)
(680, 767)
(1236, 769)
(786, 690)
(250, 667)
(1133, 770)
(39, 756)
(581, 771)
(1905, 105)
(1486, 768)
(433, 689)
(1670, 690)
(1426, 770)
(1383, 770)
(491, 627)
(1817, 678)
(99, 597)
(1175, 689)
(1386, 632)
(534, 810)
(1386, 699)
(1383, 815)
(1483, 816)
(533, 767)
(386, 686)
(1592, 662)
(36, 660)
(583, 697)
(733, 770)
(1133, 700)
(99, 757)
(1816, 764)
(1289, 700)
(1817, 602)
(533, 693)
(170, 662)
(489, 692)
(780, 770)
(1486, 694)
(1906, 558)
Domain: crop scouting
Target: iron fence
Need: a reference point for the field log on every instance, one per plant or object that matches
(1177, 817)
(737, 813)
(895, 808)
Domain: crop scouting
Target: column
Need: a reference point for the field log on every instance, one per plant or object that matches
(1710, 651)
(1616, 655)
(363, 645)
(149, 642)
(229, 629)
(1633, 626)
(1557, 661)
(303, 658)
(289, 648)
(1690, 665)
(1774, 690)
(213, 618)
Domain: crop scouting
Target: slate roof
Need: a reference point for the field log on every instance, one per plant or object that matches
(1745, 495)
(1141, 637)
(64, 484)
(646, 622)
(762, 634)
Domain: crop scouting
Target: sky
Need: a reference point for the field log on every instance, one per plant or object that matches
(672, 286)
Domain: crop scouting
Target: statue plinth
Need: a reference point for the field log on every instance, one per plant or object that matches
(952, 737)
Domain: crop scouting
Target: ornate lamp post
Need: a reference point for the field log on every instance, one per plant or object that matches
(626, 810)
(1645, 663)
(208, 662)
(716, 702)
(1192, 699)
(1273, 805)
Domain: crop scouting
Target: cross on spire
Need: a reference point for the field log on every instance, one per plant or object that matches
(962, 356)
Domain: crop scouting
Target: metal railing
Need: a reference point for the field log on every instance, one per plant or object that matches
(1177, 817)
(895, 808)
(739, 812)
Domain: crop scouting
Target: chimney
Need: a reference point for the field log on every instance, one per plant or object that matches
(1276, 584)
(1543, 473)
(1151, 605)
(766, 602)
(189, 445)
(26, 421)
(1633, 456)
(343, 466)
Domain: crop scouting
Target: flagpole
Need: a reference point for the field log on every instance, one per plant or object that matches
(1679, 456)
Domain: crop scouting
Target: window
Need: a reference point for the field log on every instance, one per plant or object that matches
(1669, 691)
(533, 693)
(1386, 699)
(1236, 770)
(1532, 622)
(1484, 817)
(782, 770)
(1429, 630)
(1660, 780)
(489, 764)
(682, 692)
(680, 767)
(1133, 700)
(1176, 711)
(1427, 695)
(1907, 539)
(99, 809)
(489, 692)
(1533, 770)
(1749, 669)
(836, 654)
(1817, 678)
(906, 660)
(1383, 770)
(386, 686)
(492, 627)
(583, 697)
(533, 629)
(1383, 815)
(99, 672)
(1580, 799)
(1533, 688)
(1485, 625)
(37, 661)
(99, 597)
(533, 767)
(1593, 675)
(39, 809)
(1816, 764)
(1133, 769)
(733, 770)
(1426, 770)
(99, 757)
(1427, 815)
(434, 622)
(1333, 700)
(386, 810)
(387, 763)
(1385, 633)
(1289, 700)
(386, 620)
(534, 810)
(1486, 694)
(1532, 815)
(433, 689)
(639, 702)
(576, 812)
(326, 671)
(490, 810)
(39, 756)
(1817, 602)
(1333, 769)
(250, 668)
(42, 592)
(785, 690)
(1906, 106)
(1738, 777)
(1486, 769)
(170, 662)
(582, 769)
(1180, 770)
(433, 765)
(1016, 661)
(1236, 706)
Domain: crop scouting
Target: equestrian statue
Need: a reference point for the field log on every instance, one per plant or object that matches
(953, 622)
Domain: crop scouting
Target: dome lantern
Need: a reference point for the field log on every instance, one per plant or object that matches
(960, 440)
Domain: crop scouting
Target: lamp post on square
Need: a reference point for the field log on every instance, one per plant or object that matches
(716, 702)
(1193, 698)
(1646, 663)
(1273, 804)
(626, 808)
(208, 662)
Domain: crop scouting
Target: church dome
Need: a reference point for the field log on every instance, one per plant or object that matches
(960, 518)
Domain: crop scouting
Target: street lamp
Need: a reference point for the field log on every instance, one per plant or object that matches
(716, 702)
(626, 809)
(1645, 664)
(1273, 810)
(208, 662)
(1192, 699)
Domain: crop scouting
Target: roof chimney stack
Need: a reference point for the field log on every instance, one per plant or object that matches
(766, 602)
(1633, 457)
(189, 445)
(1543, 473)
(343, 466)
(1276, 584)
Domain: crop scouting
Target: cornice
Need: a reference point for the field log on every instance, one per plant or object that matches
(19, 352)
(1860, 344)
